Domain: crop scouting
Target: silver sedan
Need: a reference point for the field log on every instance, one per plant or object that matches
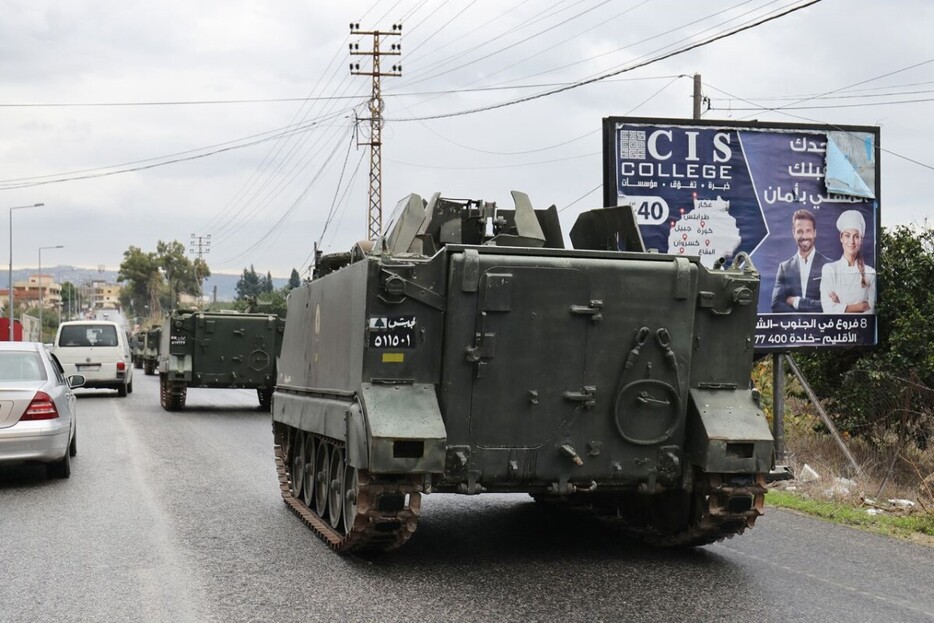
(37, 408)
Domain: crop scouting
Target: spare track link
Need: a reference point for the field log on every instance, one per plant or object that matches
(729, 511)
(373, 529)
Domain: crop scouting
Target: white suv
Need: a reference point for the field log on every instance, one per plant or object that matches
(99, 351)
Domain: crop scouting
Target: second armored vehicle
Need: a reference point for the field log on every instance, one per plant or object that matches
(152, 342)
(218, 349)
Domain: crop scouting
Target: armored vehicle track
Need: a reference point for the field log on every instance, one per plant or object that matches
(353, 512)
(720, 507)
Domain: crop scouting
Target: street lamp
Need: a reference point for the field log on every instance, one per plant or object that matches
(35, 205)
(58, 246)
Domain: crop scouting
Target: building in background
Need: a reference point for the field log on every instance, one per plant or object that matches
(105, 295)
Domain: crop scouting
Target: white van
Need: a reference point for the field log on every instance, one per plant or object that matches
(98, 350)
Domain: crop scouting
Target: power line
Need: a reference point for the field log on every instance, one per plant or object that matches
(536, 54)
(472, 43)
(494, 166)
(170, 102)
(707, 41)
(285, 216)
(823, 106)
(781, 111)
(555, 145)
(337, 190)
(645, 40)
(856, 95)
(511, 45)
(10, 185)
(581, 198)
(330, 98)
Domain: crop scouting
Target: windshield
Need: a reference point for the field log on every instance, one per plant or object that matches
(21, 367)
(88, 335)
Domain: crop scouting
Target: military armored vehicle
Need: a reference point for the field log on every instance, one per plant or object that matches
(469, 351)
(137, 345)
(218, 349)
(152, 343)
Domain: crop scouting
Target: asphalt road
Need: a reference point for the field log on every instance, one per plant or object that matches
(175, 517)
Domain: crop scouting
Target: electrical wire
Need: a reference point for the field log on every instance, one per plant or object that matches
(578, 84)
(474, 46)
(824, 106)
(285, 216)
(11, 184)
(555, 145)
(782, 112)
(581, 198)
(555, 45)
(511, 45)
(337, 189)
(590, 59)
(448, 23)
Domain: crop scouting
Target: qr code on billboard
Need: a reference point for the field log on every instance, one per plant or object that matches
(632, 144)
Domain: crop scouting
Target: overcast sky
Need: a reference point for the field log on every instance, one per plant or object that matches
(262, 176)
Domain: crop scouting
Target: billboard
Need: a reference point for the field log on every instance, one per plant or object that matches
(801, 200)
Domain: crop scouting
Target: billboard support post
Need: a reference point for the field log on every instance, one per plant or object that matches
(824, 417)
(778, 406)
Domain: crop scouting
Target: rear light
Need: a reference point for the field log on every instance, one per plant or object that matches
(121, 365)
(41, 408)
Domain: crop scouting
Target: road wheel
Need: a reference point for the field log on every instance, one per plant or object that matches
(62, 468)
(310, 447)
(129, 387)
(122, 391)
(73, 446)
(349, 495)
(163, 392)
(298, 464)
(335, 489)
(322, 477)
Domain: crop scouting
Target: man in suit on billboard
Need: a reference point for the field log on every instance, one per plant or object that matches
(797, 283)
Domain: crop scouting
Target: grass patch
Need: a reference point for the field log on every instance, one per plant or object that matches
(903, 526)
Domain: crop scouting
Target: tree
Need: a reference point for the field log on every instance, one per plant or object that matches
(268, 285)
(179, 270)
(141, 272)
(70, 296)
(202, 272)
(294, 280)
(147, 291)
(248, 286)
(901, 368)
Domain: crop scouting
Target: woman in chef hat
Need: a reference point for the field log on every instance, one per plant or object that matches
(848, 286)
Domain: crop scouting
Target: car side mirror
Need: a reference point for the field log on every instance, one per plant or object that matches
(76, 380)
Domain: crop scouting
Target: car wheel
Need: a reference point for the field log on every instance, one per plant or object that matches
(129, 388)
(122, 391)
(62, 468)
(73, 446)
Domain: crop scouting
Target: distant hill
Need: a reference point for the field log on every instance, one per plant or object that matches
(226, 284)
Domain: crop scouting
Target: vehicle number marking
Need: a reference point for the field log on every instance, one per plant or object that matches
(392, 332)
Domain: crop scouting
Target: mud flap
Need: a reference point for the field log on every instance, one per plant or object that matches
(728, 432)
(404, 428)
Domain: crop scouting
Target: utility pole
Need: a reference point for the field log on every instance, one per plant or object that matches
(375, 212)
(199, 245)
